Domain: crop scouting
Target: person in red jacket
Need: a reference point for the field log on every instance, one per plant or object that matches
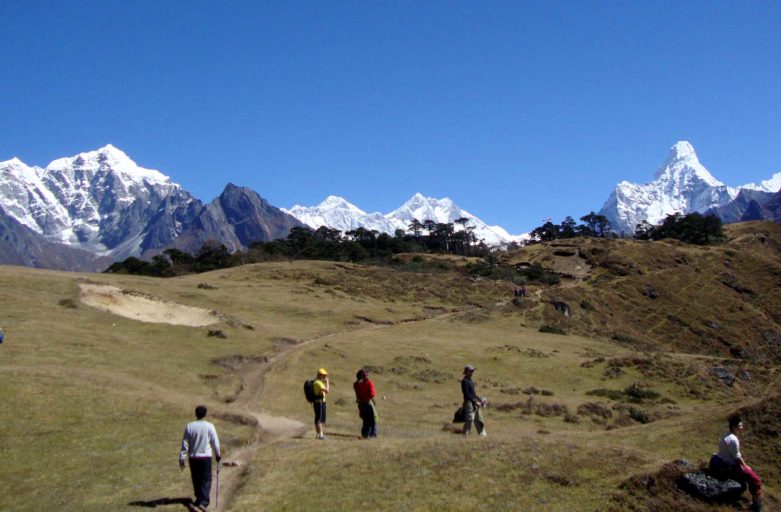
(364, 395)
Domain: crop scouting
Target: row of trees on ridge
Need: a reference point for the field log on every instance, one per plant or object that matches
(324, 243)
(362, 244)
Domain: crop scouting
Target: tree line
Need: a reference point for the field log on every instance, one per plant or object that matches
(365, 245)
(324, 243)
(692, 228)
(593, 225)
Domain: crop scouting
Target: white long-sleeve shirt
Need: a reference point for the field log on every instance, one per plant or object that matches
(200, 437)
(729, 448)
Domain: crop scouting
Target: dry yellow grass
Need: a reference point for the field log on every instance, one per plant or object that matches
(95, 402)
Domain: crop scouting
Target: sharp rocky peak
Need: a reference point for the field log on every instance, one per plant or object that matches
(682, 161)
(682, 150)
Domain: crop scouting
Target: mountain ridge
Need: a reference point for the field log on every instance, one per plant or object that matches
(102, 203)
(338, 213)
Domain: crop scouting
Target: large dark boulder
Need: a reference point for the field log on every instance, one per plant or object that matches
(708, 488)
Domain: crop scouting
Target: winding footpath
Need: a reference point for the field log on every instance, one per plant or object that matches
(270, 428)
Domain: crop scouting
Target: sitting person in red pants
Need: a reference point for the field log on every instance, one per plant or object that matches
(728, 462)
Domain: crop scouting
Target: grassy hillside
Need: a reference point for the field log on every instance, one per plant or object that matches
(96, 400)
(722, 300)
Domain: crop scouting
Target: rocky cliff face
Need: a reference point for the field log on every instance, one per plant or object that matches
(19, 245)
(249, 217)
(747, 205)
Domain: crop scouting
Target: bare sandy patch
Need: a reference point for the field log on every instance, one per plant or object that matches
(144, 308)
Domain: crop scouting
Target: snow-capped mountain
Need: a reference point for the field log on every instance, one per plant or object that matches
(105, 205)
(682, 184)
(100, 201)
(337, 213)
(772, 185)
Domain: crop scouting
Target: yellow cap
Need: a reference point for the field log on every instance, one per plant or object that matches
(322, 371)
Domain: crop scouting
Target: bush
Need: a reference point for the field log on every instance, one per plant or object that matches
(638, 415)
(551, 329)
(68, 303)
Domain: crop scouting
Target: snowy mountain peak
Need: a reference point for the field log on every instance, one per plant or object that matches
(16, 169)
(683, 165)
(113, 156)
(682, 184)
(107, 159)
(682, 150)
(335, 202)
(424, 208)
(337, 213)
(94, 201)
(772, 185)
(13, 163)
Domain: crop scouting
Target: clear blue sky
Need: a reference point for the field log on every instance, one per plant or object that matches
(517, 111)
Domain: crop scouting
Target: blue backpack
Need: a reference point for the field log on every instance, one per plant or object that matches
(1, 336)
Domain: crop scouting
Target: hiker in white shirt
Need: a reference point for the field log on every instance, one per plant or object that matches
(729, 463)
(199, 444)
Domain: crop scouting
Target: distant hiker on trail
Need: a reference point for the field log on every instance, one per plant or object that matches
(472, 403)
(729, 463)
(2, 336)
(364, 394)
(320, 388)
(199, 443)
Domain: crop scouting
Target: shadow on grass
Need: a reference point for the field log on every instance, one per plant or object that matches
(340, 434)
(187, 503)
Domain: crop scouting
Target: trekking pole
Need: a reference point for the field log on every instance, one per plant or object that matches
(217, 494)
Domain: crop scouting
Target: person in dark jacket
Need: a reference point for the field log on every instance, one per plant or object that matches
(364, 395)
(472, 404)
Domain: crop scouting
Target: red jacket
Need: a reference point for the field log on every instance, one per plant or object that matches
(364, 390)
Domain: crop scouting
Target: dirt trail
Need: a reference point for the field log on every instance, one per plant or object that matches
(273, 428)
(268, 428)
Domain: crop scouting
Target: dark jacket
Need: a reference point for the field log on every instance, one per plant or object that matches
(468, 389)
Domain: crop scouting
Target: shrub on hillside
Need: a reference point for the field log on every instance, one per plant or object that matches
(551, 329)
(693, 228)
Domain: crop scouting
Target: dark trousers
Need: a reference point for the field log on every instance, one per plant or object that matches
(369, 427)
(744, 475)
(201, 472)
(319, 408)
